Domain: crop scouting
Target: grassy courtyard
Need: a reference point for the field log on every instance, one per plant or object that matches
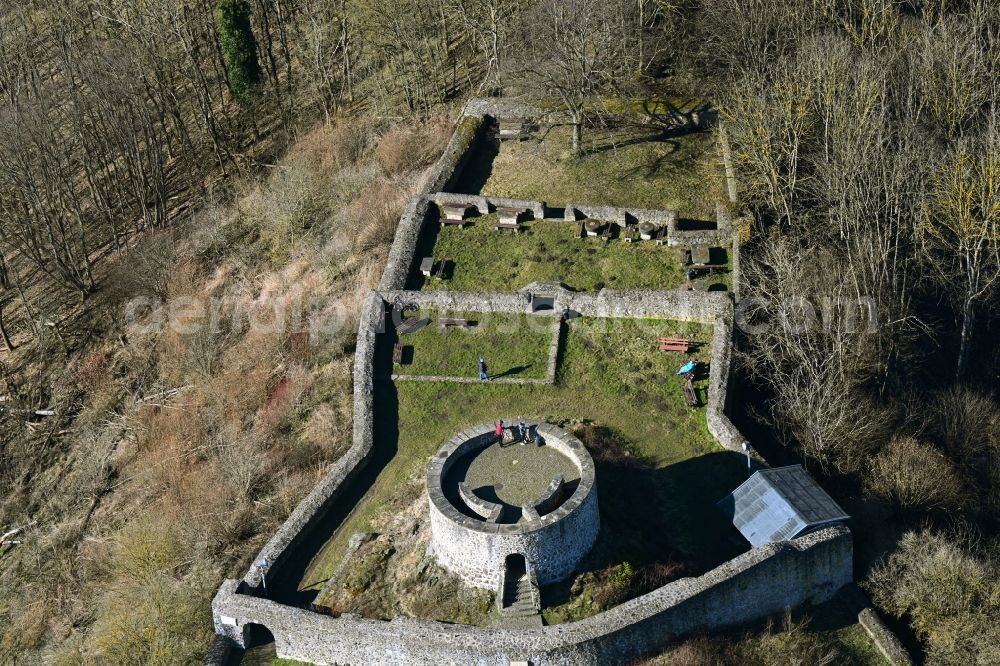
(631, 165)
(613, 382)
(514, 345)
(487, 260)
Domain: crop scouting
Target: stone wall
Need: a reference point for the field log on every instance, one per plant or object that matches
(445, 172)
(679, 304)
(506, 107)
(311, 509)
(485, 205)
(886, 641)
(404, 246)
(762, 582)
(575, 212)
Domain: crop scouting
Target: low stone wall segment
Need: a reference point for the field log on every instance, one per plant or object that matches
(886, 641)
(488, 511)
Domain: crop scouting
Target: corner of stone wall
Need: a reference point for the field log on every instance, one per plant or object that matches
(314, 505)
(720, 379)
(219, 651)
(468, 133)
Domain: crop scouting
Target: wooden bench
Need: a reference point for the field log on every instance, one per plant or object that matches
(442, 267)
(455, 214)
(453, 323)
(675, 345)
(397, 354)
(411, 325)
(630, 234)
(608, 230)
(660, 236)
(690, 395)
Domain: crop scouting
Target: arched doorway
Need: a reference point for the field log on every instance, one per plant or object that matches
(515, 579)
(255, 635)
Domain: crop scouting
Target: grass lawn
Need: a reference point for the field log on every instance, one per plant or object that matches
(487, 260)
(611, 378)
(514, 345)
(625, 166)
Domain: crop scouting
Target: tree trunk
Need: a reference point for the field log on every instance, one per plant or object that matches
(965, 340)
(577, 129)
(3, 332)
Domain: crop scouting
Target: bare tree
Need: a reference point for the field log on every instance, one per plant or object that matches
(489, 24)
(962, 230)
(572, 51)
(809, 340)
(912, 474)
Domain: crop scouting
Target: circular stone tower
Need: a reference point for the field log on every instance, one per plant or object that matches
(492, 501)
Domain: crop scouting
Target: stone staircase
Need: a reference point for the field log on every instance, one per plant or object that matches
(519, 603)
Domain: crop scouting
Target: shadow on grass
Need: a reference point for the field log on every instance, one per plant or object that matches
(479, 168)
(426, 241)
(659, 137)
(687, 224)
(286, 585)
(513, 371)
(663, 519)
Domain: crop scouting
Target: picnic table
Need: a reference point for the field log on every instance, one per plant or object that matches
(441, 272)
(510, 218)
(690, 395)
(646, 230)
(513, 128)
(675, 344)
(455, 214)
(427, 266)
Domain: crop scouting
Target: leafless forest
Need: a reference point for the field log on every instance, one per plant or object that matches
(165, 150)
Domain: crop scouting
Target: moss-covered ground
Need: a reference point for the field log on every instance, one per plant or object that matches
(629, 165)
(483, 259)
(658, 481)
(513, 345)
